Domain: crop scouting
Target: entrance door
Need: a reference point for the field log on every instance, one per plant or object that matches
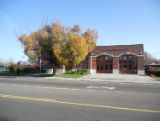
(104, 64)
(128, 64)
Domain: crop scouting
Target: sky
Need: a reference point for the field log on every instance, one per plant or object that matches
(118, 22)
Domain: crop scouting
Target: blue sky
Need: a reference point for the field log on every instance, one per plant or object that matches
(117, 21)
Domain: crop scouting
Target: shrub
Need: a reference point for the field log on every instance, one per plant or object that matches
(29, 70)
(81, 72)
(13, 67)
(153, 71)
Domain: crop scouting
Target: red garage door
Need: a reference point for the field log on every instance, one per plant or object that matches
(104, 64)
(128, 64)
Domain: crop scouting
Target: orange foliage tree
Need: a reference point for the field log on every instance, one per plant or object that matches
(61, 45)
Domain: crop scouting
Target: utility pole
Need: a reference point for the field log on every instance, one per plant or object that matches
(39, 58)
(40, 61)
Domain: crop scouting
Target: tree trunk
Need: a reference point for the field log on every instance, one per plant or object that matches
(54, 69)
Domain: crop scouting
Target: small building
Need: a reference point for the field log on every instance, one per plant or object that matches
(123, 59)
(153, 65)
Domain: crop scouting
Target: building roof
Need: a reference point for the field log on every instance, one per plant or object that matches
(153, 64)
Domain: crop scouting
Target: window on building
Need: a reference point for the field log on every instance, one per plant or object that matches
(98, 67)
(130, 67)
(125, 66)
(110, 67)
(124, 57)
(102, 67)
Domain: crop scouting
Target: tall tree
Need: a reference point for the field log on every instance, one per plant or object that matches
(58, 44)
(72, 51)
(91, 37)
(149, 59)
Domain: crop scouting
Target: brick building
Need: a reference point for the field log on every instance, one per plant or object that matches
(116, 59)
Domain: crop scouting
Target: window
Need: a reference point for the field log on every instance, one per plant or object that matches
(106, 67)
(124, 57)
(102, 67)
(125, 66)
(98, 67)
(110, 67)
(130, 57)
(130, 67)
(106, 57)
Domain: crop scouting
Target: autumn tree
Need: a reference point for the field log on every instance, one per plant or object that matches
(42, 41)
(75, 46)
(72, 51)
(90, 37)
(149, 59)
(58, 44)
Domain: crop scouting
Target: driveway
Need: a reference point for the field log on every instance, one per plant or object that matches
(126, 78)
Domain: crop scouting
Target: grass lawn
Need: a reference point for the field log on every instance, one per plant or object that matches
(7, 74)
(22, 74)
(157, 78)
(74, 74)
(70, 75)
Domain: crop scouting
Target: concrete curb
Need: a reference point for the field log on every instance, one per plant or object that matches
(153, 81)
(140, 82)
(87, 78)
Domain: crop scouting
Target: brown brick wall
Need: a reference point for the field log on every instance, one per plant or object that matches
(140, 63)
(118, 50)
(93, 62)
(115, 62)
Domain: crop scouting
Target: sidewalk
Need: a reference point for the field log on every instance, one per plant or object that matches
(121, 78)
(125, 78)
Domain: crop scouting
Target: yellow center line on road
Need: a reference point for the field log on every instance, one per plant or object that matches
(77, 104)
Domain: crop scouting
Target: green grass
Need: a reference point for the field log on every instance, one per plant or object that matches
(8, 74)
(22, 74)
(157, 78)
(74, 74)
(70, 75)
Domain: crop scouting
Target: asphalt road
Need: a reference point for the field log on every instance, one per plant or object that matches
(41, 99)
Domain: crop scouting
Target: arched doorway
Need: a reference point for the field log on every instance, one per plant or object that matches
(128, 64)
(104, 64)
